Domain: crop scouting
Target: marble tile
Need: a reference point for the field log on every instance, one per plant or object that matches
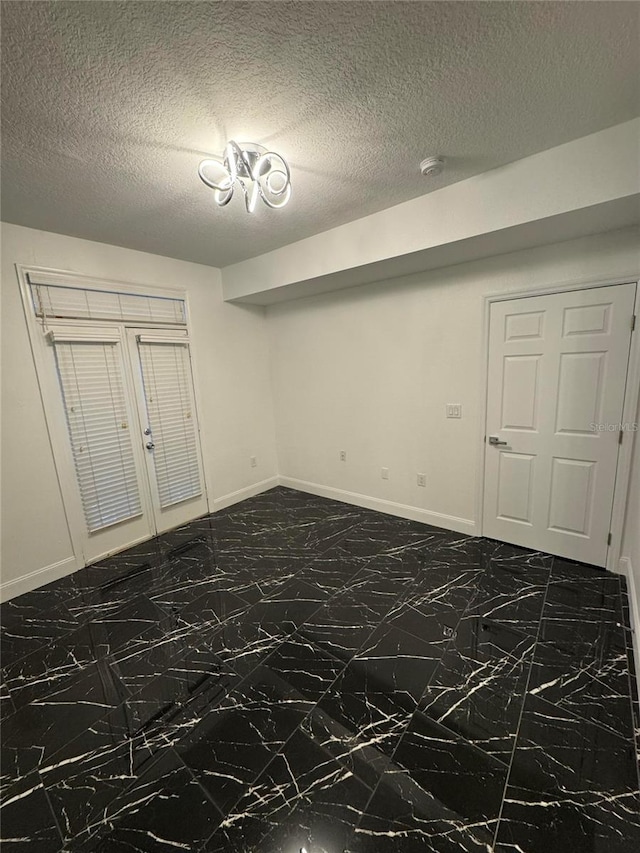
(293, 672)
(305, 667)
(303, 799)
(444, 585)
(342, 625)
(49, 668)
(573, 786)
(37, 731)
(479, 686)
(367, 708)
(332, 571)
(589, 679)
(168, 809)
(235, 741)
(26, 820)
(95, 768)
(28, 630)
(403, 817)
(461, 776)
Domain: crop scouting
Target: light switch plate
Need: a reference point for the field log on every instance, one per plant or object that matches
(454, 410)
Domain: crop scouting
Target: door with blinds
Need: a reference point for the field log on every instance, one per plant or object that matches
(111, 501)
(167, 413)
(129, 406)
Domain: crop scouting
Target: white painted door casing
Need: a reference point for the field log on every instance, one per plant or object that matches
(556, 382)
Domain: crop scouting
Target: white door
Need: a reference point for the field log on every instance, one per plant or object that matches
(161, 363)
(127, 399)
(111, 502)
(557, 370)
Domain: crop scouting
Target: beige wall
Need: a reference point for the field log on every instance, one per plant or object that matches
(230, 353)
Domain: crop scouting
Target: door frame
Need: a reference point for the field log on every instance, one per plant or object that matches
(50, 393)
(630, 407)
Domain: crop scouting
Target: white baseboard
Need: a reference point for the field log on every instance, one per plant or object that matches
(626, 569)
(243, 494)
(33, 580)
(437, 519)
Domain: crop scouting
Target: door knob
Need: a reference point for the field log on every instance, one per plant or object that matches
(493, 439)
(150, 445)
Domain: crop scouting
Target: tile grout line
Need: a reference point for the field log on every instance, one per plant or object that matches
(524, 700)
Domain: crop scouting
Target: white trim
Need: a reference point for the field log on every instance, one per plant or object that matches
(630, 407)
(63, 334)
(414, 513)
(625, 451)
(38, 578)
(626, 568)
(562, 287)
(243, 494)
(164, 339)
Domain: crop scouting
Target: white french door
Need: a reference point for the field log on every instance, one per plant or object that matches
(557, 372)
(169, 428)
(127, 398)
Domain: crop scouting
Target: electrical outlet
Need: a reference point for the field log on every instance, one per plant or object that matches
(253, 461)
(422, 479)
(343, 455)
(454, 410)
(384, 473)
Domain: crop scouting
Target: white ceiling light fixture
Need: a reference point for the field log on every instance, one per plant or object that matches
(255, 170)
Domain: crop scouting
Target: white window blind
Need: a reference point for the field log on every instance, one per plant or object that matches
(166, 375)
(93, 394)
(57, 301)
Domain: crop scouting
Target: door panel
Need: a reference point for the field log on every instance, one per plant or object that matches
(515, 487)
(581, 377)
(557, 369)
(520, 397)
(571, 501)
(169, 426)
(113, 503)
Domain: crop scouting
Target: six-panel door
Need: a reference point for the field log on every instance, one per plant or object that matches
(557, 370)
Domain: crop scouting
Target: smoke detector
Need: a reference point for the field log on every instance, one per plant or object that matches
(432, 166)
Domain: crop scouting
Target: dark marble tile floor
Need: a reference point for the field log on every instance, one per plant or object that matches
(297, 674)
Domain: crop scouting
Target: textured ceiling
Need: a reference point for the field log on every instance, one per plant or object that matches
(108, 107)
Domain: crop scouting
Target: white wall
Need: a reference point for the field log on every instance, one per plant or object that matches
(579, 175)
(630, 562)
(230, 353)
(369, 370)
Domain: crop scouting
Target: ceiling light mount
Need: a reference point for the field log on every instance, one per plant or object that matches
(432, 166)
(257, 172)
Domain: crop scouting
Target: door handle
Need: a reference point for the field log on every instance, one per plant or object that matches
(493, 439)
(149, 445)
